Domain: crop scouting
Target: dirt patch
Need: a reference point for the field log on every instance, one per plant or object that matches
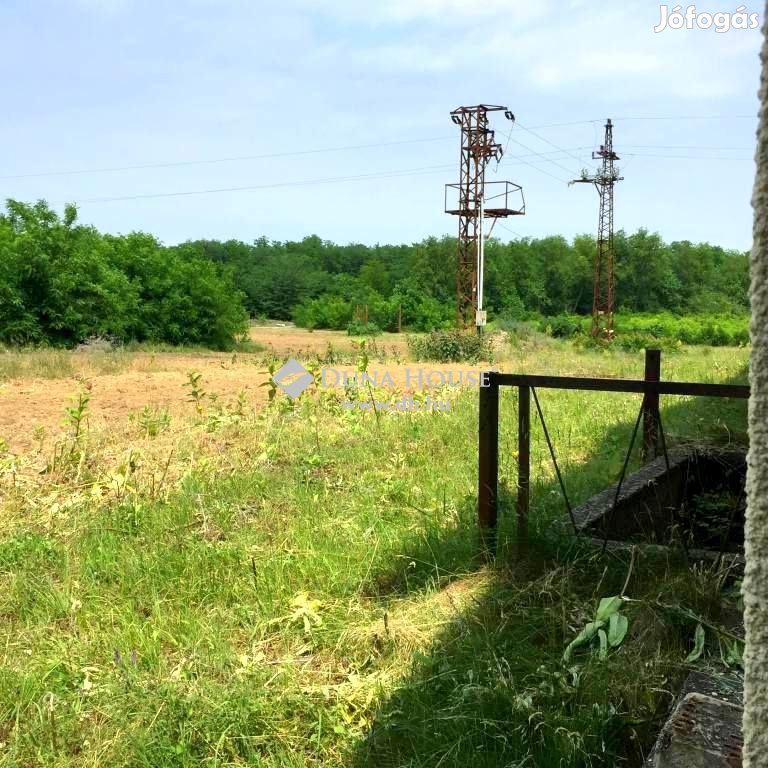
(28, 404)
(160, 380)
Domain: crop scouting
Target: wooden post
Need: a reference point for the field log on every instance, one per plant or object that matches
(400, 318)
(523, 462)
(488, 464)
(651, 404)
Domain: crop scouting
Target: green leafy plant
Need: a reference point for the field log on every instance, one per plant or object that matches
(196, 392)
(362, 367)
(452, 346)
(609, 627)
(270, 382)
(356, 328)
(78, 413)
(731, 648)
(240, 404)
(153, 420)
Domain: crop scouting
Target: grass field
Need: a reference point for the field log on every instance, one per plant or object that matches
(194, 575)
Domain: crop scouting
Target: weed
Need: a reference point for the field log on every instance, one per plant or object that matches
(197, 394)
(270, 382)
(153, 420)
(609, 626)
(240, 404)
(451, 346)
(77, 414)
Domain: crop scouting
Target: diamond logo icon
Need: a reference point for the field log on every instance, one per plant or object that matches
(286, 379)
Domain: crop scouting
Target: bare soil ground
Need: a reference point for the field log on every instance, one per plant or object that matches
(29, 404)
(160, 381)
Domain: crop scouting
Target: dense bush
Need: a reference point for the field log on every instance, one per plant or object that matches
(451, 346)
(325, 312)
(648, 329)
(713, 330)
(562, 326)
(356, 328)
(62, 282)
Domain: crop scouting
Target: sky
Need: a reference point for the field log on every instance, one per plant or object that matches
(130, 108)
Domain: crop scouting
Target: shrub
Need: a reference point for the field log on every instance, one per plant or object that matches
(356, 328)
(452, 346)
(714, 330)
(324, 312)
(562, 326)
(639, 330)
(635, 342)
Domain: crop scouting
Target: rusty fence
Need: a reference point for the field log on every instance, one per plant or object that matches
(651, 387)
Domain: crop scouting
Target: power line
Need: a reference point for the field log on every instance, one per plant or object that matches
(540, 154)
(511, 231)
(519, 158)
(690, 117)
(239, 158)
(276, 185)
(249, 188)
(551, 143)
(353, 147)
(688, 146)
(564, 125)
(374, 145)
(648, 117)
(213, 161)
(375, 175)
(684, 157)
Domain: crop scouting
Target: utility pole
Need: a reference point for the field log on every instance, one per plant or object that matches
(467, 200)
(604, 291)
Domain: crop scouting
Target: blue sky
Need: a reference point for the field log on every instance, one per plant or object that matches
(104, 84)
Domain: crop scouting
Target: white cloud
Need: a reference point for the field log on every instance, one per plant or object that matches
(614, 49)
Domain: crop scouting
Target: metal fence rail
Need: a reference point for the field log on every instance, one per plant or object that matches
(651, 387)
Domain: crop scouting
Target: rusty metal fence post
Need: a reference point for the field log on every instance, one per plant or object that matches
(651, 404)
(488, 462)
(488, 433)
(523, 462)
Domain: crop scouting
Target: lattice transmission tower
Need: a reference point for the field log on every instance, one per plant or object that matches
(469, 201)
(604, 290)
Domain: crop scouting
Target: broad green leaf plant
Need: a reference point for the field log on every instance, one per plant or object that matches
(609, 627)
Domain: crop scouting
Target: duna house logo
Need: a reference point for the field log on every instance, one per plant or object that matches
(293, 378)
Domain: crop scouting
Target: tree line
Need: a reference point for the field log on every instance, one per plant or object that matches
(62, 282)
(325, 285)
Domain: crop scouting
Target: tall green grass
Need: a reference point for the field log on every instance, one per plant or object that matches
(323, 601)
